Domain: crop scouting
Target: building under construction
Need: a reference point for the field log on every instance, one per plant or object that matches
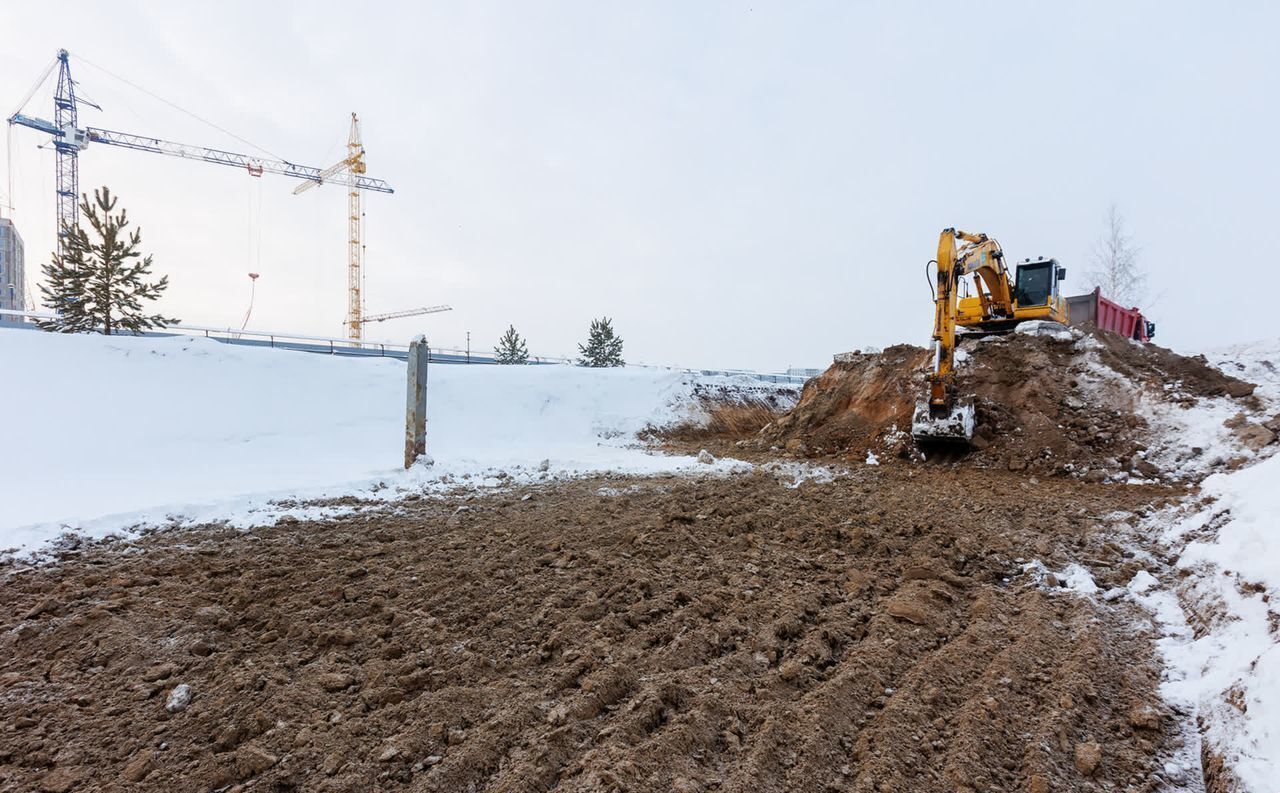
(12, 293)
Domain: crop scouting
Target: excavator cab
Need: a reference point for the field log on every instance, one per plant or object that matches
(1036, 285)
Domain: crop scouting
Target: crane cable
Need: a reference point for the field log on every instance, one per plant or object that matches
(253, 291)
(48, 70)
(8, 143)
(254, 257)
(177, 107)
(8, 154)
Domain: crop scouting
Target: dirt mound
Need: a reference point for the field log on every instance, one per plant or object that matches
(1054, 402)
(856, 401)
(736, 634)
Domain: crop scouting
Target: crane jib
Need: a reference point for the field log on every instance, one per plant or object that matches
(255, 165)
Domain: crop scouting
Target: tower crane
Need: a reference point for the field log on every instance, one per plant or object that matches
(409, 312)
(69, 139)
(350, 169)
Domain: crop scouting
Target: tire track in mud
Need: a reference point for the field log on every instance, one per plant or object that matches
(872, 633)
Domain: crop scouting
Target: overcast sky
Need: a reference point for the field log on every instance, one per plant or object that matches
(749, 184)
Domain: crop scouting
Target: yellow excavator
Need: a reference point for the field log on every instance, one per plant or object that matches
(997, 304)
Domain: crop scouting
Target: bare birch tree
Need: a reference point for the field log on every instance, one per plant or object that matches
(1115, 263)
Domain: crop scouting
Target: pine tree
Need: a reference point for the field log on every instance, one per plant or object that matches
(66, 277)
(602, 347)
(511, 348)
(101, 285)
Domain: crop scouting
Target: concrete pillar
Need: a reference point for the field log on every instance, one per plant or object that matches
(415, 422)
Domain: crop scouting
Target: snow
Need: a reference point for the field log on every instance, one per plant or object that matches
(1078, 580)
(1072, 578)
(1231, 672)
(794, 474)
(1183, 429)
(104, 434)
(179, 698)
(1191, 437)
(1256, 362)
(1226, 669)
(1053, 330)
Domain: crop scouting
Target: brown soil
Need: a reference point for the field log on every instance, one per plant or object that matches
(854, 403)
(1041, 404)
(877, 632)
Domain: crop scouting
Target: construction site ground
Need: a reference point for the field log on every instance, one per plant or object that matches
(884, 629)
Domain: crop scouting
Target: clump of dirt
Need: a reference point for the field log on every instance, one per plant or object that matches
(1060, 403)
(873, 632)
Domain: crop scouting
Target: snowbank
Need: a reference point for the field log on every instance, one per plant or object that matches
(1231, 672)
(106, 433)
(1255, 362)
(1225, 662)
(1190, 436)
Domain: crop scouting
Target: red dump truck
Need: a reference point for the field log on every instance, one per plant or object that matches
(1094, 310)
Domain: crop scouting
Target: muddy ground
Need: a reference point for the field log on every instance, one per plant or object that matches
(875, 632)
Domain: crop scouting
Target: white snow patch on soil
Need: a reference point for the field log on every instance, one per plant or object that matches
(1053, 330)
(1189, 435)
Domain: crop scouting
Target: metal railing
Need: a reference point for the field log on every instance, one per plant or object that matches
(333, 346)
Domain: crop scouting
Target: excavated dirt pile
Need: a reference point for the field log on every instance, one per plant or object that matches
(1056, 402)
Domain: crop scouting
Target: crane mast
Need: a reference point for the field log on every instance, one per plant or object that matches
(355, 252)
(352, 167)
(67, 144)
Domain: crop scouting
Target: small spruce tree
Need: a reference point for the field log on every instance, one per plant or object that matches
(511, 348)
(602, 347)
(100, 284)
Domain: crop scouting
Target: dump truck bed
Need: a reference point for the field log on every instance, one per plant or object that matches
(1094, 310)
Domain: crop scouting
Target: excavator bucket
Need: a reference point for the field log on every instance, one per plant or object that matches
(931, 426)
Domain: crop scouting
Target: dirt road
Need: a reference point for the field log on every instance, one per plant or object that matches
(875, 632)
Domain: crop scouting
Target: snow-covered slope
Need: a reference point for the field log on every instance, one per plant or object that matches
(1226, 662)
(1257, 362)
(1230, 670)
(103, 433)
